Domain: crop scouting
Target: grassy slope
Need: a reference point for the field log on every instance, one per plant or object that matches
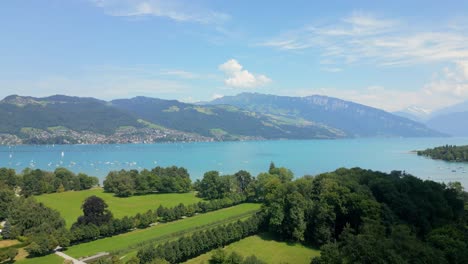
(266, 249)
(69, 203)
(130, 239)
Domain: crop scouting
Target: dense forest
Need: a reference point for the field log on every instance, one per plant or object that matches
(165, 180)
(447, 153)
(352, 215)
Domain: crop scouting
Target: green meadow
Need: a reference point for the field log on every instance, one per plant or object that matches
(49, 259)
(69, 203)
(134, 238)
(267, 249)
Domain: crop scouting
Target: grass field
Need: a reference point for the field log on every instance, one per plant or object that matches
(69, 203)
(267, 249)
(49, 259)
(128, 240)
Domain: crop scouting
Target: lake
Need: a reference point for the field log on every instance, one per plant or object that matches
(301, 156)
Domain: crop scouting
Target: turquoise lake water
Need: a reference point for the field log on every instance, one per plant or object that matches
(301, 156)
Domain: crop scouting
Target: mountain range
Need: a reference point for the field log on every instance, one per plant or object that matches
(452, 120)
(247, 116)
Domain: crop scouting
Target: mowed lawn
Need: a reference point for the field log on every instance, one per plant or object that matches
(267, 249)
(69, 203)
(124, 241)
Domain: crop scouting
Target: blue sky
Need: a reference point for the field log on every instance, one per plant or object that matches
(387, 54)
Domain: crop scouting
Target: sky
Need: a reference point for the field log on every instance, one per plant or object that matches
(385, 54)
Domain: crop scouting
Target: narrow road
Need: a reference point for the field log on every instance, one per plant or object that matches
(65, 256)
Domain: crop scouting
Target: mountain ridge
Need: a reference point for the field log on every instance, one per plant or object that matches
(355, 119)
(70, 119)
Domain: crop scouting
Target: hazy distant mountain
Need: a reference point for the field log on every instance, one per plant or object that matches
(457, 108)
(452, 120)
(414, 113)
(454, 124)
(355, 120)
(224, 122)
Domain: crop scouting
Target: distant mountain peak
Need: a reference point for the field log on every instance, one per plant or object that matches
(20, 100)
(58, 98)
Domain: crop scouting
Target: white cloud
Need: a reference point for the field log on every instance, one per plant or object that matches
(451, 82)
(216, 96)
(366, 38)
(173, 9)
(238, 77)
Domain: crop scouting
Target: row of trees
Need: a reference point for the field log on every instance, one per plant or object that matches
(447, 152)
(36, 182)
(166, 180)
(97, 221)
(215, 186)
(220, 256)
(200, 242)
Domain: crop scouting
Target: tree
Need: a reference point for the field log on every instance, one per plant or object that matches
(272, 167)
(8, 255)
(60, 189)
(234, 258)
(6, 231)
(212, 186)
(218, 257)
(94, 212)
(243, 178)
(6, 199)
(9, 178)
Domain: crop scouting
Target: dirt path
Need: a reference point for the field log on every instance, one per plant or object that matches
(65, 256)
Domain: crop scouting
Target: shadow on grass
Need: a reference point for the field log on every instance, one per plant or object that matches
(273, 237)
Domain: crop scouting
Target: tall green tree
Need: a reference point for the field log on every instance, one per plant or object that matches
(94, 212)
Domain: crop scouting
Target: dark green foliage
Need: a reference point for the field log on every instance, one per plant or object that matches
(94, 212)
(447, 152)
(6, 230)
(9, 178)
(243, 179)
(362, 216)
(214, 186)
(6, 199)
(8, 254)
(202, 241)
(168, 180)
(43, 226)
(374, 245)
